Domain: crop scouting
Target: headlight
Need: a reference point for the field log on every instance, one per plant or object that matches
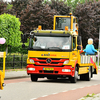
(31, 69)
(66, 70)
(66, 62)
(31, 60)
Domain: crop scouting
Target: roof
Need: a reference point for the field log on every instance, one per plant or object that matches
(50, 32)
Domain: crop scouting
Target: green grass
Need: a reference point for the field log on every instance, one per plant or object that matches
(91, 96)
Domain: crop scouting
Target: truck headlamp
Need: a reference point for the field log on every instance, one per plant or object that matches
(66, 62)
(66, 70)
(31, 60)
(32, 69)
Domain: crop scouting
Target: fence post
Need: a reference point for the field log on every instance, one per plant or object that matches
(13, 61)
(21, 60)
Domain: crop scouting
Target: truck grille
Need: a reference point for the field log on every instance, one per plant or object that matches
(48, 71)
(52, 62)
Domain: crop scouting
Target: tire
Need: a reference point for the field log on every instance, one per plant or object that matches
(91, 75)
(74, 79)
(88, 75)
(34, 78)
(92, 71)
(82, 77)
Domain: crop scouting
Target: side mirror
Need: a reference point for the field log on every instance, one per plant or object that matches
(23, 38)
(79, 40)
(23, 45)
(79, 47)
(35, 39)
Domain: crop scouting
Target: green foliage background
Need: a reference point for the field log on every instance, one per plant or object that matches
(10, 29)
(88, 19)
(32, 13)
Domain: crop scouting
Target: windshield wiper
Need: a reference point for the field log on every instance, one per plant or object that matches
(55, 48)
(36, 47)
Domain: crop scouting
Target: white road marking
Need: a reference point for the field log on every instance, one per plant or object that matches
(74, 89)
(65, 91)
(81, 87)
(54, 93)
(44, 95)
(33, 98)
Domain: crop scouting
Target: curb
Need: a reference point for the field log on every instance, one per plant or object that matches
(8, 78)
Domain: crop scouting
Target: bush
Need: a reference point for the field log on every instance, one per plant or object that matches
(89, 17)
(17, 49)
(10, 29)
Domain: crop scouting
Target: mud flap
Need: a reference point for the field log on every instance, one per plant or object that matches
(95, 71)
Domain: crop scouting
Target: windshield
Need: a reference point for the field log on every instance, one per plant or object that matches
(62, 22)
(52, 43)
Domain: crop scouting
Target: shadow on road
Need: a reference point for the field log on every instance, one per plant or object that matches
(65, 81)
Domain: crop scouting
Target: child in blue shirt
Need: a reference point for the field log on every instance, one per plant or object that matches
(90, 50)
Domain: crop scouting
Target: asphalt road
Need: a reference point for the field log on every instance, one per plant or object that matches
(24, 89)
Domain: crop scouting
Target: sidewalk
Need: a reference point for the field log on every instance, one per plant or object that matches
(15, 74)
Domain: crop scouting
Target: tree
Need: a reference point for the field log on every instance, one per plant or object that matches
(89, 17)
(10, 29)
(73, 3)
(36, 13)
(17, 7)
(3, 6)
(60, 6)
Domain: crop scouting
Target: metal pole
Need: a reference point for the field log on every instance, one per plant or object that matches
(13, 61)
(21, 61)
(99, 46)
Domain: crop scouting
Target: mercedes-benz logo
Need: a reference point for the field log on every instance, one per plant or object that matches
(48, 60)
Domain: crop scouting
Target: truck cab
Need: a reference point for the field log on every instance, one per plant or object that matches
(50, 53)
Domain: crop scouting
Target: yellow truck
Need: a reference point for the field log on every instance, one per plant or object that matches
(2, 73)
(57, 53)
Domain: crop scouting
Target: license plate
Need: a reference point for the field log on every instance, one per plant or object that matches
(50, 69)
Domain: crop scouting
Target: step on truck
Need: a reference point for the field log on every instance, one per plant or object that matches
(57, 53)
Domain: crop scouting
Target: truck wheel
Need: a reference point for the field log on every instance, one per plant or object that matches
(91, 71)
(34, 78)
(91, 74)
(82, 77)
(88, 75)
(74, 79)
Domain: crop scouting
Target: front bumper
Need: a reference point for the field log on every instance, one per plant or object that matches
(47, 70)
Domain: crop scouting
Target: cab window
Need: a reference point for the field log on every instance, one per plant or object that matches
(74, 42)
